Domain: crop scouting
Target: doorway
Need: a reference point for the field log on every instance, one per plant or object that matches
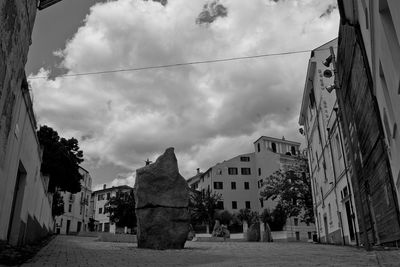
(68, 226)
(349, 221)
(326, 229)
(15, 233)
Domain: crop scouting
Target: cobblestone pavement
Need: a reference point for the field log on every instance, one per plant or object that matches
(86, 251)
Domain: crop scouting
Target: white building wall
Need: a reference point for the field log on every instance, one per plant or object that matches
(23, 155)
(219, 173)
(326, 157)
(99, 200)
(76, 208)
(380, 27)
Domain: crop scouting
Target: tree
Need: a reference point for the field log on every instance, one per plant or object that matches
(61, 159)
(57, 208)
(292, 188)
(225, 217)
(121, 209)
(202, 207)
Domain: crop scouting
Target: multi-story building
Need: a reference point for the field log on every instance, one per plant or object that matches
(99, 209)
(240, 179)
(234, 179)
(76, 208)
(332, 191)
(25, 204)
(367, 88)
(194, 181)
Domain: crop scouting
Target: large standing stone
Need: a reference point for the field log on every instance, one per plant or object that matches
(162, 199)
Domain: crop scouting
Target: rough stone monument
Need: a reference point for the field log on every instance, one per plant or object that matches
(162, 200)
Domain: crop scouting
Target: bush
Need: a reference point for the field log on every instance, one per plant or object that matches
(225, 217)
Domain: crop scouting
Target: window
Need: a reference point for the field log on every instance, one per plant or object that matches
(219, 172)
(273, 146)
(69, 208)
(259, 171)
(234, 205)
(233, 185)
(345, 191)
(390, 33)
(339, 150)
(246, 185)
(108, 196)
(100, 197)
(245, 171)
(297, 236)
(218, 185)
(296, 221)
(247, 205)
(330, 213)
(105, 210)
(100, 210)
(107, 227)
(232, 171)
(244, 158)
(293, 150)
(258, 147)
(260, 183)
(220, 205)
(309, 235)
(262, 203)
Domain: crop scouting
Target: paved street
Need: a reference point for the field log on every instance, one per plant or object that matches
(86, 251)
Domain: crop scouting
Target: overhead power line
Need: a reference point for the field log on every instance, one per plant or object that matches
(177, 64)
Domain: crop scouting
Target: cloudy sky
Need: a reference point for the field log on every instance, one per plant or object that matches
(208, 112)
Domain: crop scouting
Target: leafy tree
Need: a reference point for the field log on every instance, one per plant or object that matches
(247, 215)
(121, 209)
(57, 208)
(225, 217)
(203, 205)
(275, 219)
(61, 159)
(292, 189)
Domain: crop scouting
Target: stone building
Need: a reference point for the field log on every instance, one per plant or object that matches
(76, 208)
(239, 180)
(332, 190)
(367, 88)
(25, 204)
(99, 211)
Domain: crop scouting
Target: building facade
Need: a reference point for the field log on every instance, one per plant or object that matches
(332, 191)
(25, 204)
(240, 179)
(99, 209)
(367, 85)
(379, 24)
(76, 208)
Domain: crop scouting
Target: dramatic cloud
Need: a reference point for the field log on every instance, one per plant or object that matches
(208, 112)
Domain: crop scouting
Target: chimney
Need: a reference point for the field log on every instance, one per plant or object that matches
(104, 186)
(198, 170)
